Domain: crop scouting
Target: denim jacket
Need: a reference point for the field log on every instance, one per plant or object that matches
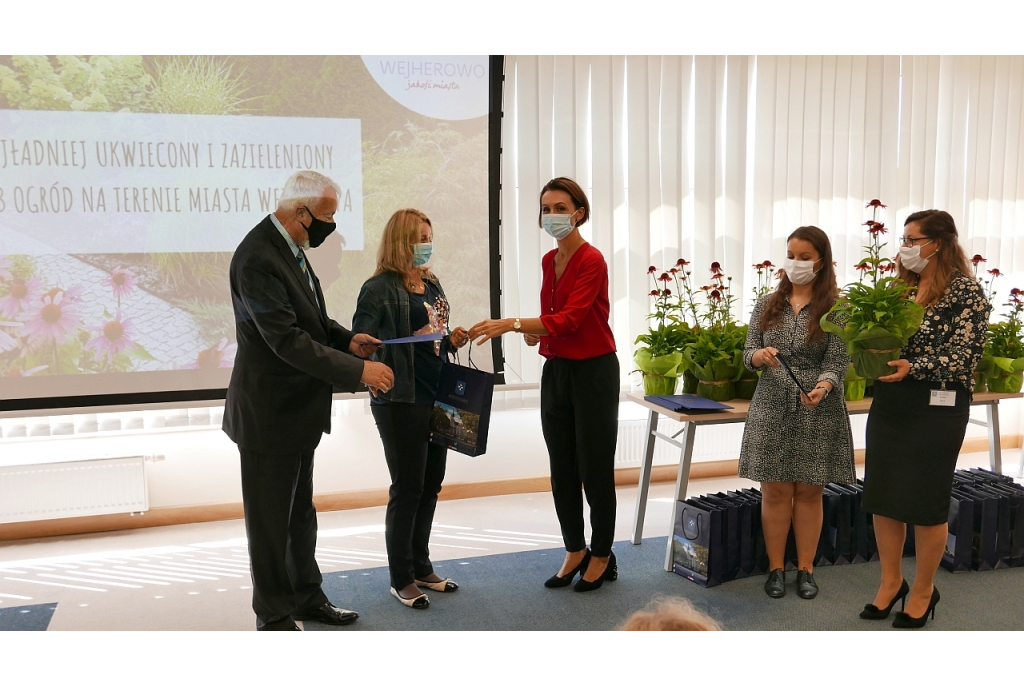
(383, 312)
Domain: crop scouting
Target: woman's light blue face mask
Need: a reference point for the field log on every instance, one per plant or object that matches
(421, 253)
(558, 226)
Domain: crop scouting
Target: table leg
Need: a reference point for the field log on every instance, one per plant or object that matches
(995, 448)
(682, 481)
(644, 485)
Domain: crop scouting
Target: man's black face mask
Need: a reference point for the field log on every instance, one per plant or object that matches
(318, 230)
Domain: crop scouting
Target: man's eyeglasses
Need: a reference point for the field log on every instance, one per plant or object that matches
(909, 242)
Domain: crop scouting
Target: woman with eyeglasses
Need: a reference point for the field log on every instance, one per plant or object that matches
(579, 389)
(919, 416)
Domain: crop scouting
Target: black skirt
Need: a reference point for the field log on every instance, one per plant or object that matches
(911, 451)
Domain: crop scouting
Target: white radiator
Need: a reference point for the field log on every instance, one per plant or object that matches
(711, 443)
(67, 489)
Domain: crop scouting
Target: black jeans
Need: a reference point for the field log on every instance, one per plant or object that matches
(280, 524)
(417, 470)
(579, 414)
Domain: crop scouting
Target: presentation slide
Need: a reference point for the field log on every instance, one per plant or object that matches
(126, 182)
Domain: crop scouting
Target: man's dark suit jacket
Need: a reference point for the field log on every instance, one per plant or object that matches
(289, 352)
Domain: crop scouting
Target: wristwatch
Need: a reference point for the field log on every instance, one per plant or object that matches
(517, 326)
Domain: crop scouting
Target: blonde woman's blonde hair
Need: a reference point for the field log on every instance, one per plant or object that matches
(670, 613)
(395, 253)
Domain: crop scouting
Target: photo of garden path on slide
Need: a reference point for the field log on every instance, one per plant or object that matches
(126, 182)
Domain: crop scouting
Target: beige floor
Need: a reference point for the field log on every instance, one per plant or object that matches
(195, 577)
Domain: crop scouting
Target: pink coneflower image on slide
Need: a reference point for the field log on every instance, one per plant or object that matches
(122, 282)
(19, 296)
(220, 356)
(115, 336)
(54, 317)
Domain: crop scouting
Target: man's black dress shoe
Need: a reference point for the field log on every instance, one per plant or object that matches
(329, 614)
(805, 585)
(775, 586)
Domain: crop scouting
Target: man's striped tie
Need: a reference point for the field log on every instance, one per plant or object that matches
(301, 256)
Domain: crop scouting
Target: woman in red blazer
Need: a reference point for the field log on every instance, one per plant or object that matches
(579, 394)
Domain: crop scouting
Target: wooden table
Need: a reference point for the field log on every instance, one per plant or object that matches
(738, 414)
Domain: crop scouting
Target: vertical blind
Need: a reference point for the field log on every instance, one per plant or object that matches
(719, 158)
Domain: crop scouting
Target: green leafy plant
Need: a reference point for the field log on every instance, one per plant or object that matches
(875, 321)
(1002, 364)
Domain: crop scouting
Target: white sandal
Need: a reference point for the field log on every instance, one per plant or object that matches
(417, 602)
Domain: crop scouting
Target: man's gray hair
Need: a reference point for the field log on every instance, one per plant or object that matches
(305, 188)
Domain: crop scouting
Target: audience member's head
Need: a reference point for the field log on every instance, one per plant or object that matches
(670, 613)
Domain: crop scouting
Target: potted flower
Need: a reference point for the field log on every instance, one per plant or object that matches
(660, 357)
(986, 363)
(716, 355)
(746, 384)
(875, 321)
(686, 318)
(1003, 361)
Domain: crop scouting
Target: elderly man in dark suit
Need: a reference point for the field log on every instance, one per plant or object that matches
(290, 357)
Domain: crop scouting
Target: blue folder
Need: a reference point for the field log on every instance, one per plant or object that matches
(687, 404)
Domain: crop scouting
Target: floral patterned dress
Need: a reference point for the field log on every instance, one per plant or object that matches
(783, 440)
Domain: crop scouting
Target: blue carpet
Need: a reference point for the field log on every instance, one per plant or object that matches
(30, 617)
(506, 592)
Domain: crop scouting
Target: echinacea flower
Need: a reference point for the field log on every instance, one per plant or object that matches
(655, 293)
(863, 266)
(875, 228)
(977, 259)
(121, 281)
(716, 295)
(220, 356)
(19, 296)
(54, 318)
(874, 203)
(682, 262)
(666, 292)
(115, 336)
(651, 269)
(15, 373)
(995, 273)
(767, 264)
(664, 278)
(716, 268)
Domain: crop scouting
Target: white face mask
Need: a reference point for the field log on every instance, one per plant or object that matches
(911, 258)
(558, 226)
(800, 272)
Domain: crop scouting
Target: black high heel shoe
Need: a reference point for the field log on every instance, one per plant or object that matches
(611, 572)
(904, 620)
(873, 613)
(561, 581)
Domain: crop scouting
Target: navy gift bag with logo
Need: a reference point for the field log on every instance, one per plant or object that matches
(462, 409)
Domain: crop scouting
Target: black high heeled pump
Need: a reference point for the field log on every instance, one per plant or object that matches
(873, 613)
(611, 572)
(561, 581)
(904, 620)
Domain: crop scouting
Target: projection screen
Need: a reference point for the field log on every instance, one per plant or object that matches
(126, 182)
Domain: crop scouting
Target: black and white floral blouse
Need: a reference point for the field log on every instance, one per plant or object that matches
(949, 344)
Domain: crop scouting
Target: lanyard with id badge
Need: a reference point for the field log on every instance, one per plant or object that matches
(942, 397)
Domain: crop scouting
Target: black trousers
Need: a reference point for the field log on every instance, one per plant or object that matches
(417, 471)
(579, 414)
(280, 524)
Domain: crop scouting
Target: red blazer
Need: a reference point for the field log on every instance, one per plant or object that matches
(575, 309)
